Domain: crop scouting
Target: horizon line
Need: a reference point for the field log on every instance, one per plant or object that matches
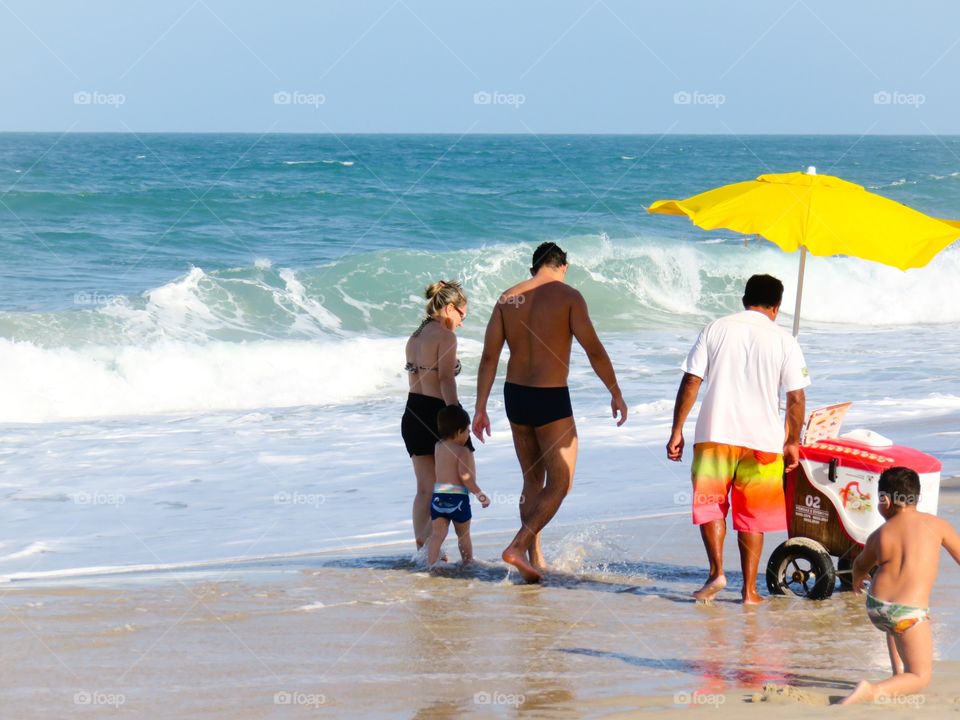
(476, 134)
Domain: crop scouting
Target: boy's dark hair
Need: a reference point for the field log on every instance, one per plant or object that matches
(763, 291)
(901, 485)
(548, 254)
(451, 420)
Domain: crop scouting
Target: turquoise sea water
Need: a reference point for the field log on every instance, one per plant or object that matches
(121, 214)
(183, 313)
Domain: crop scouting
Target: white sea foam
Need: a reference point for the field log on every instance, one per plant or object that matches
(704, 279)
(40, 384)
(198, 307)
(262, 337)
(34, 548)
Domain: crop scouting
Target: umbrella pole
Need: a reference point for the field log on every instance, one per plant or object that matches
(796, 310)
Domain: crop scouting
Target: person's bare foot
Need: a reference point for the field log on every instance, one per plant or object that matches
(752, 598)
(861, 693)
(536, 556)
(710, 589)
(527, 571)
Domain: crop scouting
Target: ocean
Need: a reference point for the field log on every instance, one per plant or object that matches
(201, 336)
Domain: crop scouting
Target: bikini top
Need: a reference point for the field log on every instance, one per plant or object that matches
(414, 369)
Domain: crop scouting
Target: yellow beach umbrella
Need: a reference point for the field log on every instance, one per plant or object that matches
(822, 214)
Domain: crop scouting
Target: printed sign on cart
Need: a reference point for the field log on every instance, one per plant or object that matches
(811, 511)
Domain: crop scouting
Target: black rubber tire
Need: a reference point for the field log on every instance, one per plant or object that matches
(801, 567)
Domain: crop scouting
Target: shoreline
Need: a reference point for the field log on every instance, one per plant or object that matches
(245, 567)
(257, 564)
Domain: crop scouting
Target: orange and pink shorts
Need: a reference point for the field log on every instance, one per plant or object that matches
(749, 481)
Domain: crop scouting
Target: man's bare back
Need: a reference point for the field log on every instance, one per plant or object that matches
(536, 325)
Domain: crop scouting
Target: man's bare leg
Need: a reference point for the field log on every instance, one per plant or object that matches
(534, 475)
(559, 442)
(713, 534)
(751, 547)
(535, 553)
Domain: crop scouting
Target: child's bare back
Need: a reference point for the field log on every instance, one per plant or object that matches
(453, 462)
(907, 552)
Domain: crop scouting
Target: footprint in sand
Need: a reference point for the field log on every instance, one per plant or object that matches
(788, 694)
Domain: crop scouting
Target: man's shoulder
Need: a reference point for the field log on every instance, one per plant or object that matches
(557, 291)
(724, 323)
(753, 323)
(737, 318)
(513, 290)
(572, 293)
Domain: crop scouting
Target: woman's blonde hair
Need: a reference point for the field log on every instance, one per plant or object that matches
(442, 293)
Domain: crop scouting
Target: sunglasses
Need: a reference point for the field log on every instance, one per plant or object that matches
(462, 313)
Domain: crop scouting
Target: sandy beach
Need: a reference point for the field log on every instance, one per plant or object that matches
(611, 633)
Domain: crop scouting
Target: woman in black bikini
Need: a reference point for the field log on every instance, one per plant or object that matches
(432, 367)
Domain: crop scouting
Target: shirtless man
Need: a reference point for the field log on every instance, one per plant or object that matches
(538, 319)
(905, 551)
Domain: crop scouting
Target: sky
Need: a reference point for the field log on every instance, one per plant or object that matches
(557, 66)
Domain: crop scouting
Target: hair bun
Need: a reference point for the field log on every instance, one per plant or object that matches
(434, 289)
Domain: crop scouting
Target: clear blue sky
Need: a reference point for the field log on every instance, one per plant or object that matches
(580, 66)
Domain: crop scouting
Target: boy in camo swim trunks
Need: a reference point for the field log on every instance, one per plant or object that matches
(905, 551)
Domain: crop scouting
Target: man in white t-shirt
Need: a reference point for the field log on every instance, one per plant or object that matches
(741, 448)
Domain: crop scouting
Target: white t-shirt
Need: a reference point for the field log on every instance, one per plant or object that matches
(745, 359)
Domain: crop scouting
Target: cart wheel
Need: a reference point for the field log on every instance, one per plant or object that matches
(802, 567)
(845, 574)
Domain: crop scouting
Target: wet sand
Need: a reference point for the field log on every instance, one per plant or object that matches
(613, 632)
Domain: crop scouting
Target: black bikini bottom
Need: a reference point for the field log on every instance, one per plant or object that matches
(419, 424)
